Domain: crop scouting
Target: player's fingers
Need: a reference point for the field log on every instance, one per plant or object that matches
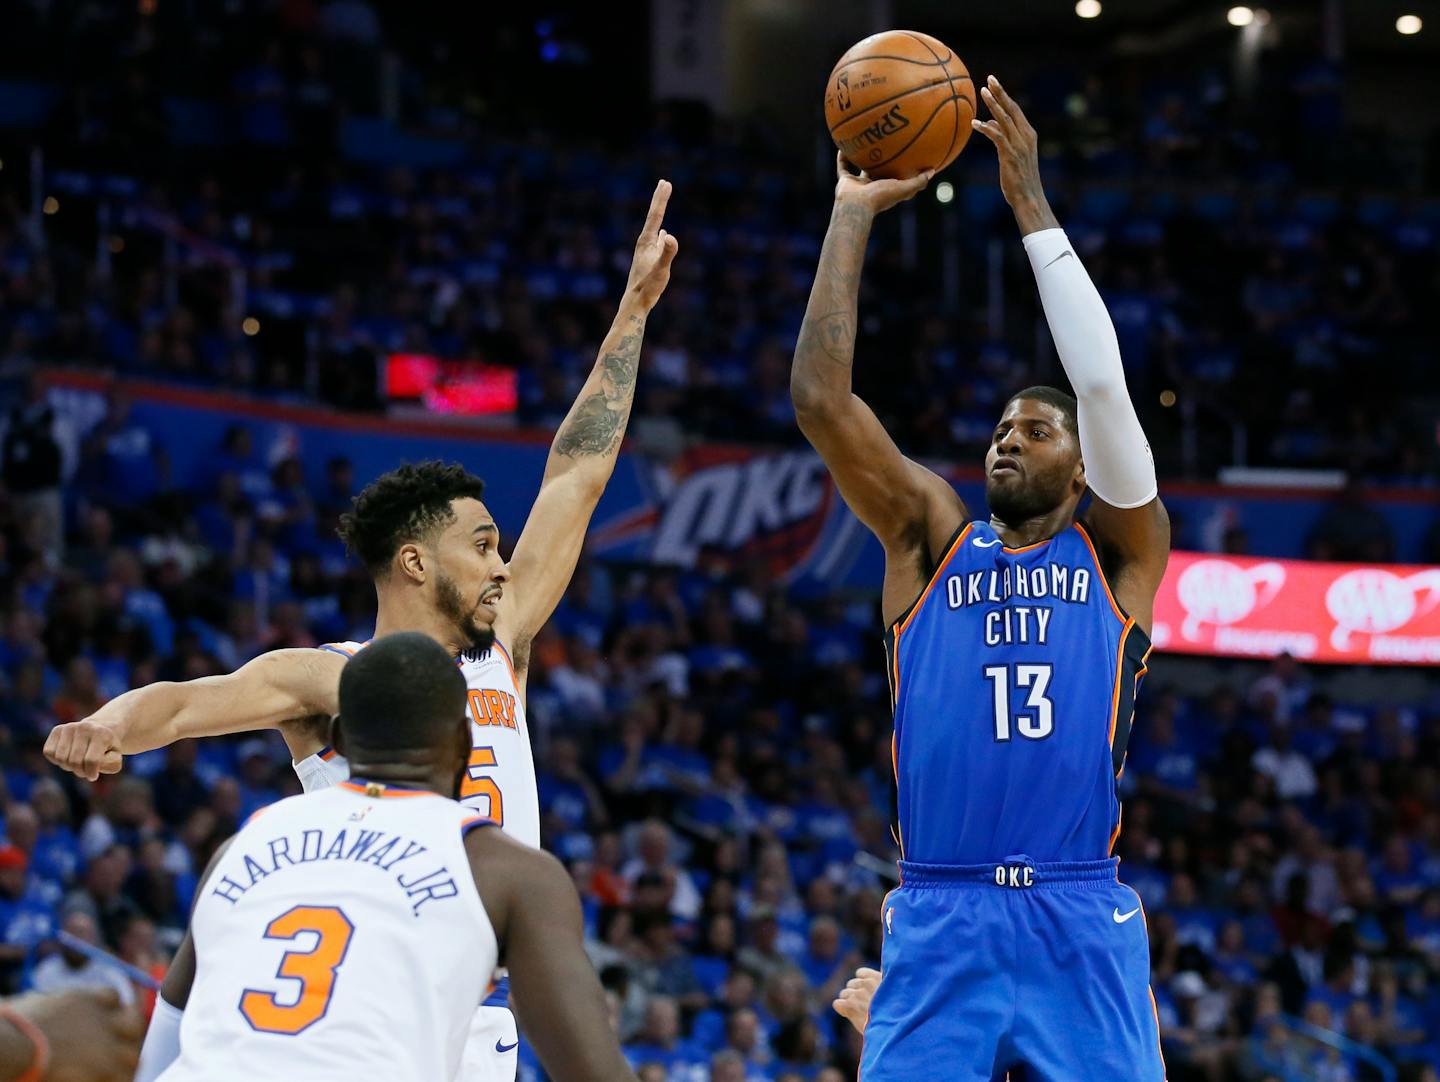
(1012, 107)
(867, 972)
(842, 167)
(112, 762)
(920, 181)
(990, 130)
(92, 758)
(998, 111)
(658, 203)
(107, 998)
(127, 1024)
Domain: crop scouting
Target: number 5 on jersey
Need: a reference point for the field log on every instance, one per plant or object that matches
(477, 783)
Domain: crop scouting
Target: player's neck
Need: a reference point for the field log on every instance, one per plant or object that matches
(1032, 531)
(404, 776)
(410, 613)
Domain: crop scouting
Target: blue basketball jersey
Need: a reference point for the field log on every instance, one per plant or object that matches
(1013, 680)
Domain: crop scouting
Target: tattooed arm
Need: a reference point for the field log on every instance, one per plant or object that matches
(585, 448)
(911, 510)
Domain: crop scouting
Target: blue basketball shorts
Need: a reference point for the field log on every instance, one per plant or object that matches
(1038, 971)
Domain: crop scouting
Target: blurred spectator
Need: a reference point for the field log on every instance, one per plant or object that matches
(70, 969)
(31, 465)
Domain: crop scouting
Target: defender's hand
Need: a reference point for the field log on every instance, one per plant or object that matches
(1015, 144)
(875, 195)
(654, 252)
(853, 1002)
(85, 748)
(92, 1037)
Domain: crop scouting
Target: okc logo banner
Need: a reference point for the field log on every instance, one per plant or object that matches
(778, 506)
(1316, 611)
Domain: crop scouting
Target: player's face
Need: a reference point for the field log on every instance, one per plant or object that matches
(1033, 465)
(470, 576)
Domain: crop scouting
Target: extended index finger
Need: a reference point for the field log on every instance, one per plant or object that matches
(658, 202)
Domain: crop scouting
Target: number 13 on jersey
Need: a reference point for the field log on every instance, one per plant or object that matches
(1036, 720)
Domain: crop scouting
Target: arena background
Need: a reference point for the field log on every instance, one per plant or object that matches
(253, 253)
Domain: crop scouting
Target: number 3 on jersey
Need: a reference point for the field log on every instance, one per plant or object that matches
(477, 783)
(315, 969)
(1038, 720)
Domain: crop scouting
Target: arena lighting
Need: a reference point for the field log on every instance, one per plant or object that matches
(1240, 16)
(1409, 24)
(1087, 9)
(51, 206)
(944, 192)
(1167, 398)
(251, 326)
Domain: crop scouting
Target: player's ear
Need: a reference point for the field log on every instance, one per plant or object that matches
(411, 562)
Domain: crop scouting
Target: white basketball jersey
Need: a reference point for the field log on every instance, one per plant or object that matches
(341, 928)
(500, 781)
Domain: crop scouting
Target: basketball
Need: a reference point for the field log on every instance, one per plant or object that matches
(899, 103)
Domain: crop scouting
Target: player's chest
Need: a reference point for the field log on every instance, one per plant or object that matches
(493, 701)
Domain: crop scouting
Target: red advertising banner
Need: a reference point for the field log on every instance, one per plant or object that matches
(1352, 613)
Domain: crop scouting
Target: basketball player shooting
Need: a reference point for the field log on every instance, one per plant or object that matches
(432, 548)
(1015, 646)
(358, 925)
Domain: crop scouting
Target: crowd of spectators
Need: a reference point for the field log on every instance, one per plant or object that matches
(1252, 267)
(714, 753)
(714, 767)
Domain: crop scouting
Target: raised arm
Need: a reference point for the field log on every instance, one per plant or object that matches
(264, 693)
(558, 1001)
(586, 445)
(1126, 516)
(910, 509)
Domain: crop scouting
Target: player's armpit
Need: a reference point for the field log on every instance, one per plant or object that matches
(1134, 547)
(556, 995)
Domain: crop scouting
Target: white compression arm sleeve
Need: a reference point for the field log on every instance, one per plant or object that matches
(162, 1041)
(1118, 465)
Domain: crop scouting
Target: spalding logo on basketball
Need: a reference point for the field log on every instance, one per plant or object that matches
(899, 103)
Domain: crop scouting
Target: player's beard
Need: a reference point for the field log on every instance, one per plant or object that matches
(453, 606)
(1033, 497)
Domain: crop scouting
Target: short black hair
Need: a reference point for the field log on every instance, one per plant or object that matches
(404, 505)
(1052, 396)
(401, 693)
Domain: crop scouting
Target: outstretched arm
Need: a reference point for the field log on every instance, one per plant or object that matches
(262, 694)
(910, 509)
(587, 444)
(1126, 515)
(559, 1003)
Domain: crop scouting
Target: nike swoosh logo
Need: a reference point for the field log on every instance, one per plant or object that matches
(1057, 259)
(501, 1046)
(986, 544)
(1121, 918)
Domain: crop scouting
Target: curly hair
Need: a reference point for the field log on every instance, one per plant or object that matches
(406, 504)
(1052, 396)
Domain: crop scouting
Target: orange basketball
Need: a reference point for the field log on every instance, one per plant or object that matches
(899, 103)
